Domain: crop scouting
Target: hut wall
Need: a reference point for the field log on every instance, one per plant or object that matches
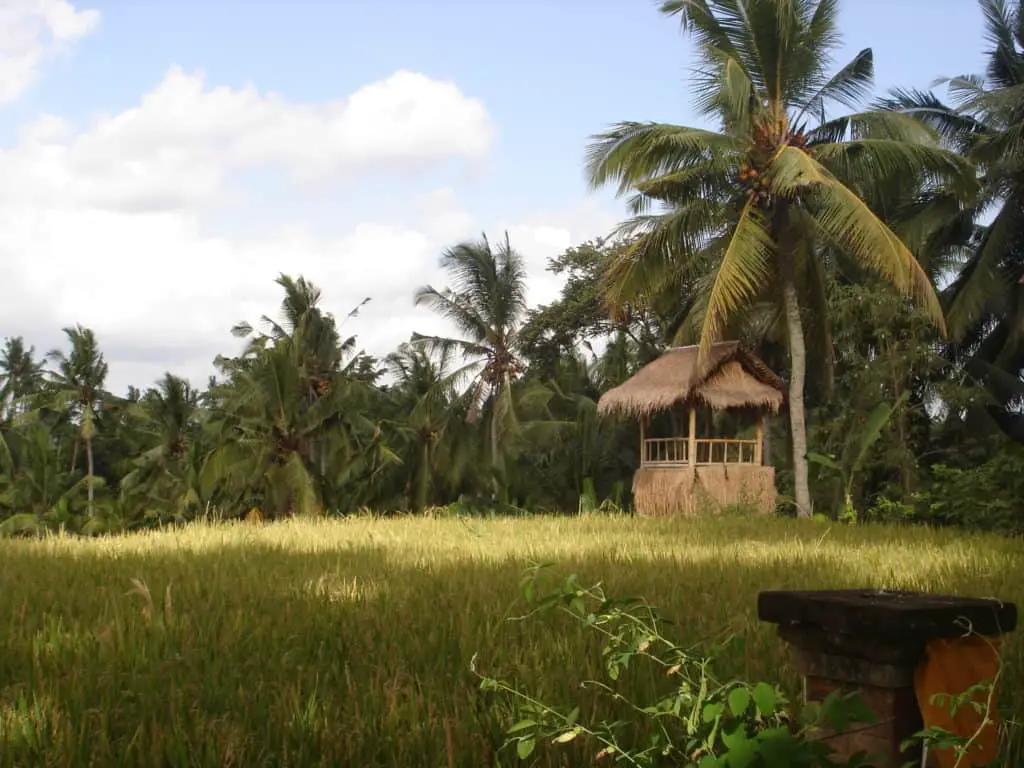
(664, 491)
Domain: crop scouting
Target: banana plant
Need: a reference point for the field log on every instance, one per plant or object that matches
(856, 451)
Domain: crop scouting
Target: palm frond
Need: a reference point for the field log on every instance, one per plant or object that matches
(849, 87)
(454, 308)
(981, 284)
(953, 126)
(663, 247)
(847, 220)
(1002, 30)
(717, 28)
(882, 160)
(744, 268)
(636, 152)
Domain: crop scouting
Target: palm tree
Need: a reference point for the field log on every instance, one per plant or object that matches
(266, 431)
(439, 443)
(986, 121)
(78, 389)
(323, 352)
(486, 303)
(291, 423)
(167, 422)
(36, 493)
(21, 375)
(752, 207)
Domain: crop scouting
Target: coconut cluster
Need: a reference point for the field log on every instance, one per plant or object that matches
(756, 182)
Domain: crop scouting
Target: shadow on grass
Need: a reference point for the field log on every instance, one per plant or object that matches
(252, 655)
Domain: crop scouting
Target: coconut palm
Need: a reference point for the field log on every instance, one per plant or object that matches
(486, 302)
(21, 375)
(77, 385)
(752, 207)
(986, 121)
(166, 420)
(278, 450)
(36, 491)
(324, 352)
(439, 444)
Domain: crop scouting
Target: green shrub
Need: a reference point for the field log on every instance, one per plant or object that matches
(986, 497)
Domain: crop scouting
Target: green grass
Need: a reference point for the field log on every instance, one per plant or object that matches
(348, 643)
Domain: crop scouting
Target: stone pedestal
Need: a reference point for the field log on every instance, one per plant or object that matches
(872, 641)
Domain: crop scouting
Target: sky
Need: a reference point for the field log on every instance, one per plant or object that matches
(162, 162)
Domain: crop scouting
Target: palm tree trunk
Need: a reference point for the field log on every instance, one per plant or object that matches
(419, 502)
(89, 470)
(493, 440)
(797, 374)
(784, 239)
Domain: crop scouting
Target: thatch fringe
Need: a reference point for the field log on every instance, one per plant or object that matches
(732, 378)
(663, 492)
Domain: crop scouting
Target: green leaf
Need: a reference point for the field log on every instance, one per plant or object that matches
(564, 738)
(777, 747)
(824, 460)
(712, 712)
(573, 716)
(742, 750)
(739, 700)
(578, 606)
(522, 725)
(765, 698)
(525, 747)
(872, 428)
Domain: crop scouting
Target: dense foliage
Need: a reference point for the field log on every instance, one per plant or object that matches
(873, 258)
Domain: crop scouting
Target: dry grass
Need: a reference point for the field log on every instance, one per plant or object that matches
(665, 491)
(347, 643)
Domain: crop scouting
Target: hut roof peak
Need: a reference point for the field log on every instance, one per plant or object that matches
(731, 377)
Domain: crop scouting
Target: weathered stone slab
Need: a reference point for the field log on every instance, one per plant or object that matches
(880, 613)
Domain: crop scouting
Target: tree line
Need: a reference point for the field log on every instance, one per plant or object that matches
(871, 250)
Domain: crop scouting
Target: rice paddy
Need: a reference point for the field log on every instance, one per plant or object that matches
(348, 642)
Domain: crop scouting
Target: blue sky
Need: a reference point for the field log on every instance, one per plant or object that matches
(546, 74)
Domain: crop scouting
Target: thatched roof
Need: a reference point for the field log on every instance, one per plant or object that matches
(732, 378)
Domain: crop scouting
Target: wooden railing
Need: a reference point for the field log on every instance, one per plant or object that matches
(666, 450)
(674, 451)
(727, 451)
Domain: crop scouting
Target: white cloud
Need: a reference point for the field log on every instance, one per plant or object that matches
(443, 219)
(32, 30)
(180, 145)
(104, 224)
(161, 294)
(545, 236)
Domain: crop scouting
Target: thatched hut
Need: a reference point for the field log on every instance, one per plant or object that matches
(693, 466)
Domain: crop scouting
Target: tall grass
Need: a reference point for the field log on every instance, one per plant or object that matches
(348, 643)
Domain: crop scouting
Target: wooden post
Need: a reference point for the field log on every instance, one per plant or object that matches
(643, 441)
(691, 447)
(759, 445)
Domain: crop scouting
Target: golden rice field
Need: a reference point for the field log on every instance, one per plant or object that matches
(347, 643)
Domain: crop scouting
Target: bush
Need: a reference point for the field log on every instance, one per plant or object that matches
(986, 497)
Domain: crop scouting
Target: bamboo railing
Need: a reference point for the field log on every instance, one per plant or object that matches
(666, 450)
(675, 451)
